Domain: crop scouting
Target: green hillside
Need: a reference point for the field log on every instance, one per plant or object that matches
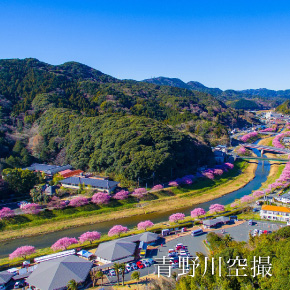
(284, 108)
(30, 90)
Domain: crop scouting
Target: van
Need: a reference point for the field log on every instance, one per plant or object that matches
(197, 232)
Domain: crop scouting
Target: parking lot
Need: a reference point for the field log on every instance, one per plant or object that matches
(195, 244)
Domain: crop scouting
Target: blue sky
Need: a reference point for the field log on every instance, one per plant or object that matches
(226, 44)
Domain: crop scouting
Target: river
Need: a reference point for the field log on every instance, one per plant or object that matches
(47, 240)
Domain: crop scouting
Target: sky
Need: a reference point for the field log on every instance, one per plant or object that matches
(226, 44)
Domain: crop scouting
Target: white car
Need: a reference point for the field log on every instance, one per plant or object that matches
(146, 264)
(128, 268)
(112, 272)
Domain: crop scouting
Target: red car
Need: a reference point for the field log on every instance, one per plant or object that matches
(140, 265)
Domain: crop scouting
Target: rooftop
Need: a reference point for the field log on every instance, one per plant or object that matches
(47, 168)
(124, 247)
(55, 274)
(99, 183)
(276, 208)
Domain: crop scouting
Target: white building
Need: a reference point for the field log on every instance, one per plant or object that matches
(275, 213)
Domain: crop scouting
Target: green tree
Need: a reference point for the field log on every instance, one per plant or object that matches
(117, 268)
(20, 181)
(100, 275)
(135, 276)
(72, 285)
(122, 269)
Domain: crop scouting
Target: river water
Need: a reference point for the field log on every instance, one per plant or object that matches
(47, 240)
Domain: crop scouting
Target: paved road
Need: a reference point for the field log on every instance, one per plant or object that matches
(195, 244)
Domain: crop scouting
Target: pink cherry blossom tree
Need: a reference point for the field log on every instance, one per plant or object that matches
(120, 195)
(22, 252)
(176, 217)
(197, 212)
(246, 199)
(139, 192)
(31, 208)
(218, 172)
(157, 187)
(144, 225)
(208, 174)
(248, 136)
(117, 230)
(89, 236)
(101, 198)
(173, 184)
(6, 212)
(215, 208)
(234, 204)
(56, 203)
(79, 201)
(258, 193)
(229, 165)
(64, 243)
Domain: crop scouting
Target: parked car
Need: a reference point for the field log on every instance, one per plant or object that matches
(2, 287)
(174, 261)
(140, 265)
(171, 250)
(255, 210)
(112, 272)
(151, 261)
(129, 268)
(172, 254)
(146, 264)
(134, 266)
(19, 284)
(178, 247)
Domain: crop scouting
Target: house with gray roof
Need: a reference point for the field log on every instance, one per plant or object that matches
(123, 248)
(214, 222)
(5, 277)
(48, 169)
(55, 274)
(95, 183)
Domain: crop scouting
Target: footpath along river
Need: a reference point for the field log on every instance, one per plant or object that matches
(47, 240)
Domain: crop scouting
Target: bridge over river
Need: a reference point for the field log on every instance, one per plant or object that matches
(267, 148)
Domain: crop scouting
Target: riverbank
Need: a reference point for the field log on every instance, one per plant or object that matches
(276, 167)
(183, 197)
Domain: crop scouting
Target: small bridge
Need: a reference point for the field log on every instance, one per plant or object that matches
(267, 148)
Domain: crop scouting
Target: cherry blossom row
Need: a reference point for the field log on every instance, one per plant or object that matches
(210, 173)
(117, 230)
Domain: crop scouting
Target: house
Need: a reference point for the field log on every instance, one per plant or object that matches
(55, 274)
(93, 183)
(5, 277)
(216, 221)
(285, 198)
(276, 213)
(123, 249)
(49, 170)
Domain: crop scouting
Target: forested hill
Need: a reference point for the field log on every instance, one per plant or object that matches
(262, 97)
(284, 108)
(30, 89)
